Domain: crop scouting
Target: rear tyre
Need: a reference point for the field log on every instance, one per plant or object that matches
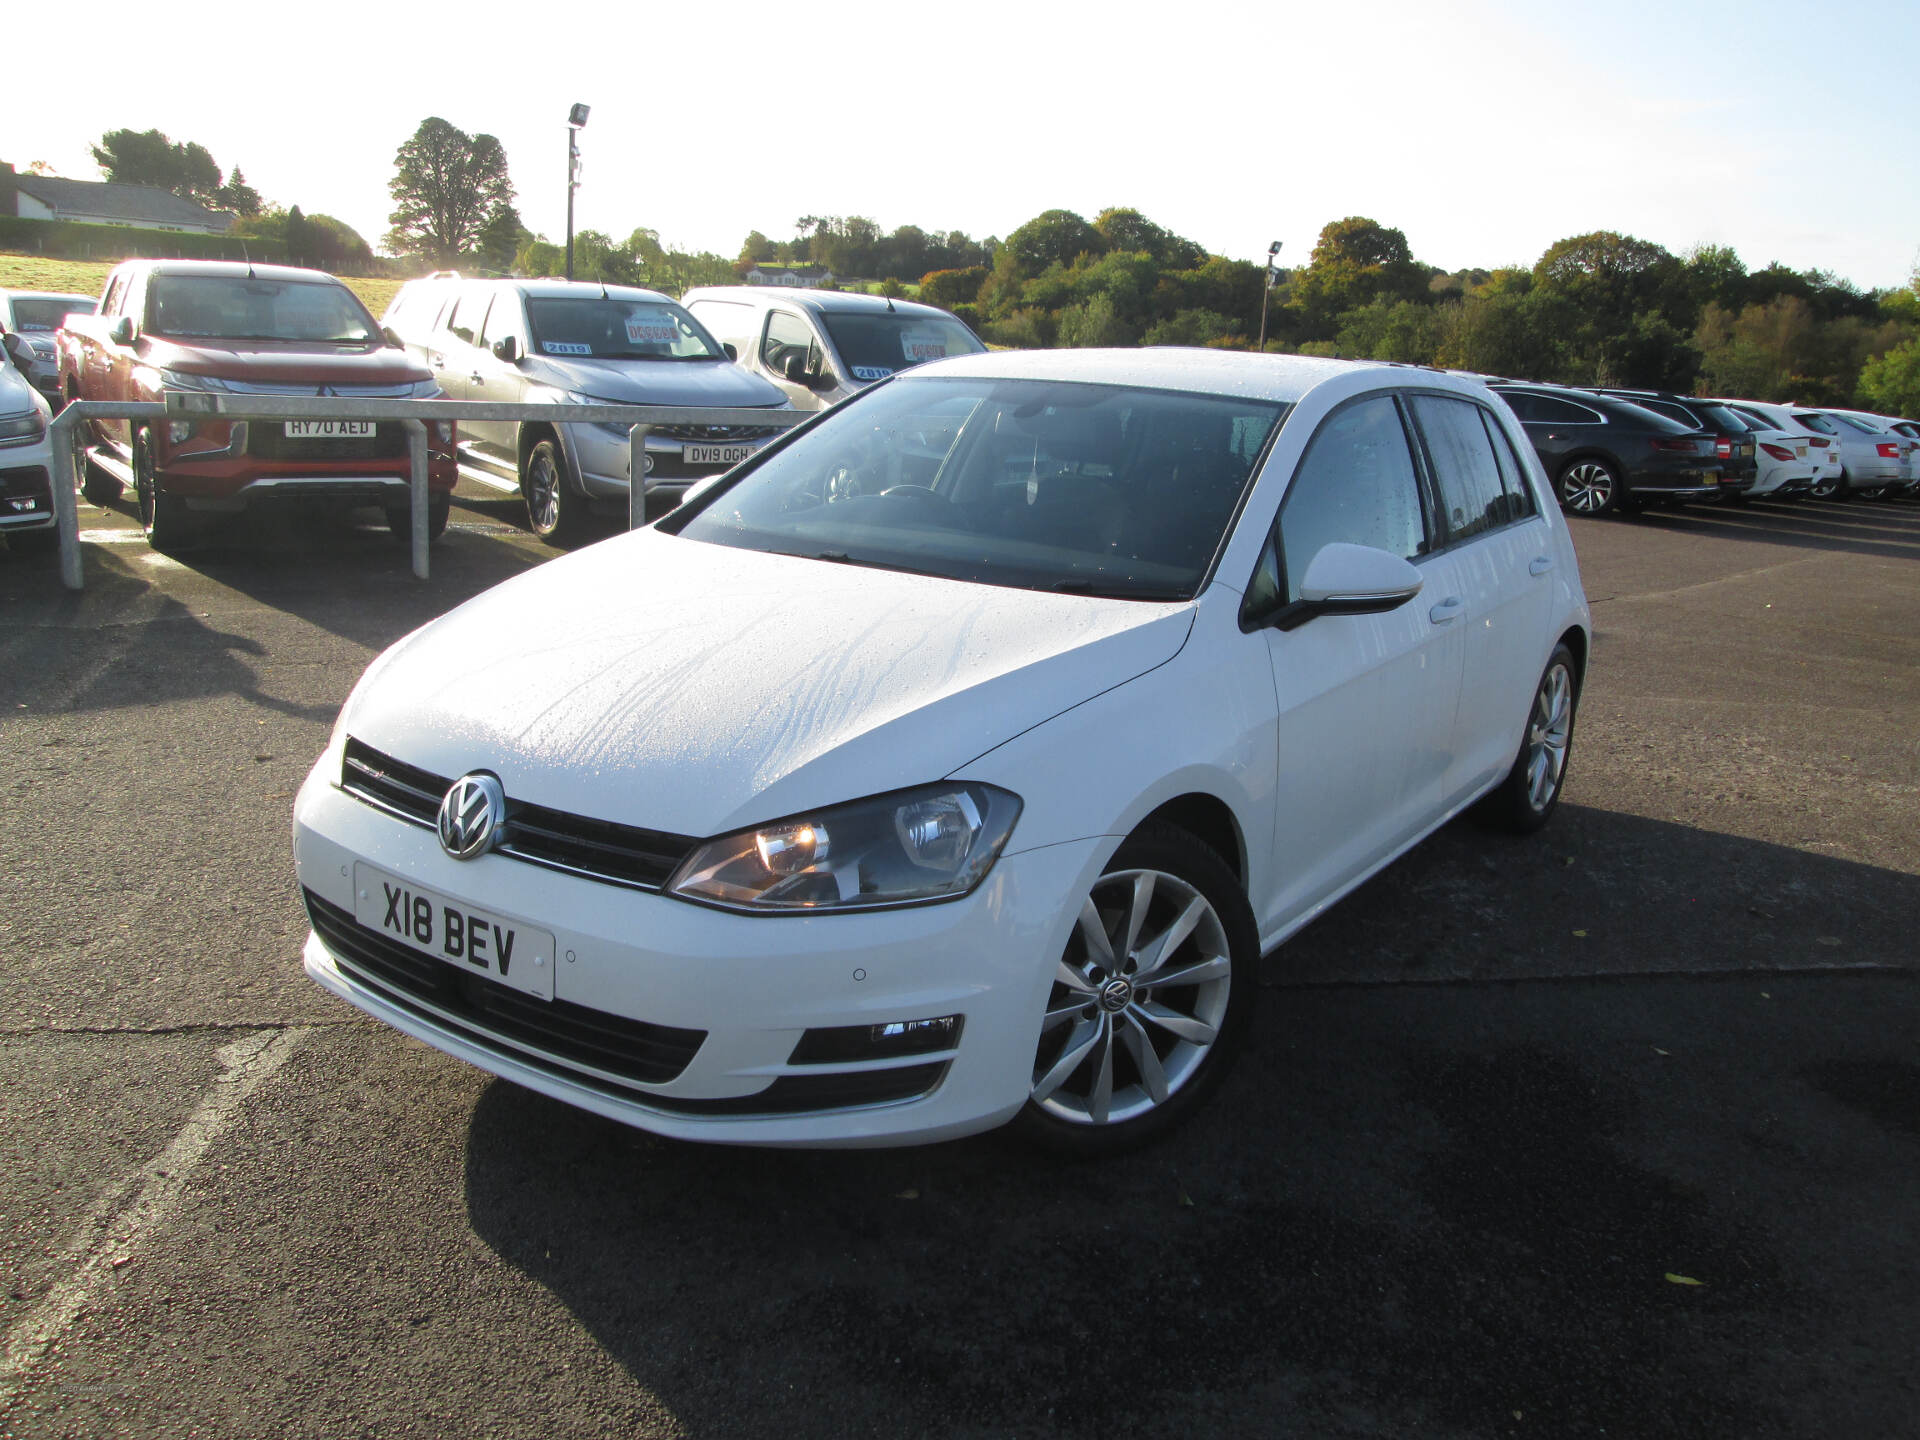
(163, 517)
(1527, 798)
(400, 518)
(1591, 487)
(1829, 487)
(1151, 1000)
(557, 515)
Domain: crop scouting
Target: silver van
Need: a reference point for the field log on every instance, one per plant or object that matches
(820, 346)
(529, 341)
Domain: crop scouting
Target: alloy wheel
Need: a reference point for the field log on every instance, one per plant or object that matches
(1138, 1000)
(543, 492)
(1549, 730)
(1587, 487)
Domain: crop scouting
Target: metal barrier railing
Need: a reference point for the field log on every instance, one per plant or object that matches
(414, 414)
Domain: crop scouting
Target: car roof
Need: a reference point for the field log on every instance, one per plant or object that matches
(821, 302)
(540, 287)
(47, 295)
(234, 270)
(1285, 378)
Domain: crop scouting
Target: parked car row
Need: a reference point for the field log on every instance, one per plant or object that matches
(1612, 450)
(26, 454)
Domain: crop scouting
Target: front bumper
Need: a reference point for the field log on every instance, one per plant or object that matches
(603, 461)
(754, 985)
(219, 465)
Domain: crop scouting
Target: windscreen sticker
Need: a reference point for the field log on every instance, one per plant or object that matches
(920, 345)
(565, 347)
(871, 372)
(651, 330)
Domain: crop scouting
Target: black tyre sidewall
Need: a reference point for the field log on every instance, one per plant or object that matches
(1507, 806)
(1175, 851)
(1616, 500)
(569, 510)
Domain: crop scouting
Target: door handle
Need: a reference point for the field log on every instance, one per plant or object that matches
(476, 379)
(1539, 565)
(439, 361)
(1447, 609)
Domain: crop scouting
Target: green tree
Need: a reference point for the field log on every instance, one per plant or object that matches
(497, 245)
(1386, 329)
(147, 157)
(953, 287)
(238, 196)
(1053, 237)
(446, 185)
(538, 257)
(1093, 323)
(1192, 327)
(1354, 260)
(756, 247)
(1890, 384)
(1130, 230)
(1613, 302)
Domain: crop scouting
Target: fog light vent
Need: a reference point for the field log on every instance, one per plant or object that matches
(841, 1044)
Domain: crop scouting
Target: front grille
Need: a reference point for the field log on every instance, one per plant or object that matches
(489, 1012)
(575, 844)
(25, 480)
(267, 440)
(710, 433)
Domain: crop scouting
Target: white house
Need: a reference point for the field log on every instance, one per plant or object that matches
(93, 202)
(799, 277)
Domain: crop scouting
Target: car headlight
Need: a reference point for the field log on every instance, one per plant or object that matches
(181, 380)
(936, 842)
(16, 428)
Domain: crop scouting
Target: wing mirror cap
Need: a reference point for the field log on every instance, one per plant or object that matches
(732, 352)
(507, 348)
(121, 332)
(1358, 580)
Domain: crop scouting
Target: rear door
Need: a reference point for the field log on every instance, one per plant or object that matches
(1496, 564)
(1366, 703)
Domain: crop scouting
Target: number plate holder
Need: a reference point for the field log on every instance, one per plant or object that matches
(476, 940)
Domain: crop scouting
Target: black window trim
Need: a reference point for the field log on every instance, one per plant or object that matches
(1599, 417)
(1424, 457)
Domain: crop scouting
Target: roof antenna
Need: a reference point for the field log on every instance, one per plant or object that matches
(889, 304)
(603, 290)
(248, 258)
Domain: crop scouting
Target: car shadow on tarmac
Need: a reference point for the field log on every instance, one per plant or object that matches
(1418, 1208)
(1888, 528)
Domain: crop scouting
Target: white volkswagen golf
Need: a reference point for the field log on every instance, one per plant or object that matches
(954, 760)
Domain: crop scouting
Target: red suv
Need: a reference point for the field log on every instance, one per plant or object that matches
(244, 330)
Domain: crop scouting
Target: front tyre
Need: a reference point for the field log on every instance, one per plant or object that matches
(1150, 1002)
(557, 515)
(400, 518)
(1527, 798)
(163, 517)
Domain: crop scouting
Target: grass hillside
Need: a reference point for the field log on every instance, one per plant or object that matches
(89, 277)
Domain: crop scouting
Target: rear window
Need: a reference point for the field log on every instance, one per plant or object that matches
(1862, 426)
(47, 314)
(1819, 424)
(876, 346)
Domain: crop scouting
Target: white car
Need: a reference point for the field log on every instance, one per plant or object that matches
(1886, 429)
(955, 759)
(26, 454)
(35, 315)
(1819, 435)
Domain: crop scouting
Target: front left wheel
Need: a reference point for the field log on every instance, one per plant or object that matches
(1150, 1001)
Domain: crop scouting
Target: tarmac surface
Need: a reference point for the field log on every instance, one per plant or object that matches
(1612, 1131)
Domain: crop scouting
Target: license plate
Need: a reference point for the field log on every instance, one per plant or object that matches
(1711, 477)
(477, 940)
(716, 454)
(329, 429)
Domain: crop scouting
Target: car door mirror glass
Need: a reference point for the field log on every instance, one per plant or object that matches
(506, 348)
(794, 368)
(732, 352)
(122, 331)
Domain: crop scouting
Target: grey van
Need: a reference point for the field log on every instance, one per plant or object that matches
(820, 346)
(529, 341)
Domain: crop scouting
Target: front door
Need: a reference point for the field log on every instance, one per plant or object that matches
(1365, 703)
(789, 337)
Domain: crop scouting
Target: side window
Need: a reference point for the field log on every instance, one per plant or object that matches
(1524, 406)
(727, 319)
(116, 293)
(1521, 504)
(504, 320)
(1463, 465)
(786, 335)
(1356, 484)
(1672, 412)
(465, 321)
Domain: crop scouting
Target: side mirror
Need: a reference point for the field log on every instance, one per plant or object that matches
(1343, 579)
(392, 337)
(506, 348)
(1348, 579)
(732, 353)
(121, 332)
(822, 381)
(794, 367)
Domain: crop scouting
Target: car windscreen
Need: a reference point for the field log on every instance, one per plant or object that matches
(876, 346)
(239, 307)
(47, 314)
(617, 329)
(1039, 484)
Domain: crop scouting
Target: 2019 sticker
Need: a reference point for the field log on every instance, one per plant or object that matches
(565, 347)
(871, 372)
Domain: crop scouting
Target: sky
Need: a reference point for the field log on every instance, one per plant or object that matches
(1484, 129)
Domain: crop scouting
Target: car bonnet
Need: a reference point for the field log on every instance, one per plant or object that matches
(696, 688)
(656, 382)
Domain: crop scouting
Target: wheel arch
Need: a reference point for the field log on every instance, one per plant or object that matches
(532, 432)
(1211, 821)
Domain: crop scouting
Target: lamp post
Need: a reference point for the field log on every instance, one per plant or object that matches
(1273, 274)
(576, 117)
